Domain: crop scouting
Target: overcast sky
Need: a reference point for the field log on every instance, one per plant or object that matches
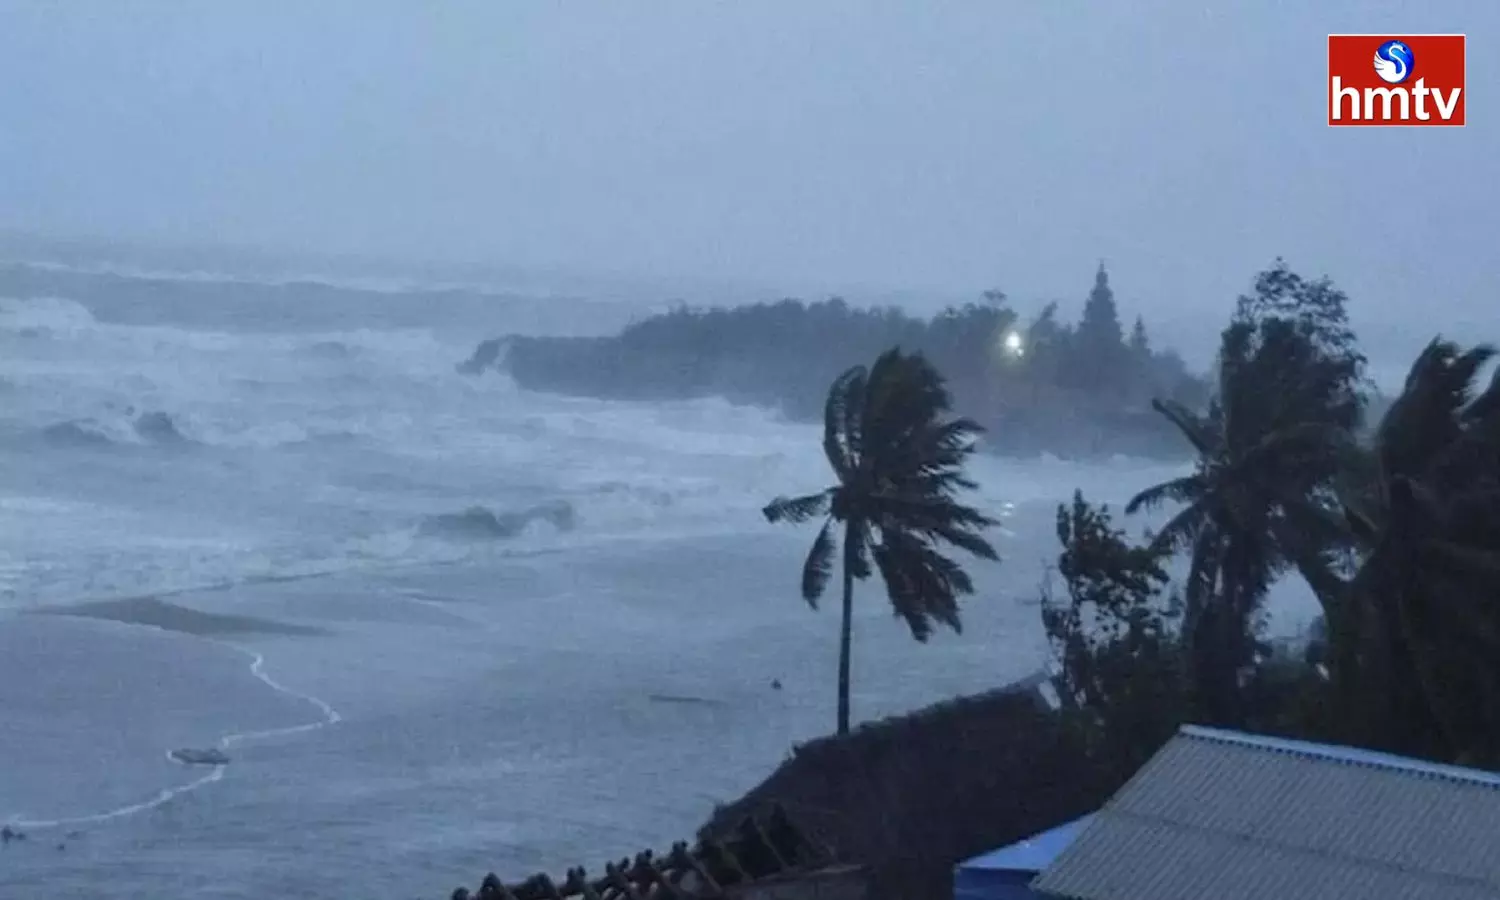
(946, 145)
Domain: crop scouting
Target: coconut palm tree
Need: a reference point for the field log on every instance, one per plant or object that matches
(1257, 503)
(1419, 668)
(898, 462)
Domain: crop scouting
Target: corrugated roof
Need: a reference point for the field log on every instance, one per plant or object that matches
(1223, 815)
(1031, 855)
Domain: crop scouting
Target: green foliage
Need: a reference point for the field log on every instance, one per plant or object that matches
(1400, 539)
(781, 355)
(1417, 651)
(1115, 637)
(1270, 448)
(898, 459)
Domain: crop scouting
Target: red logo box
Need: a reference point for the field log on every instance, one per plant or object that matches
(1419, 80)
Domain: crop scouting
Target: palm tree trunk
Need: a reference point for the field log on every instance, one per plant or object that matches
(846, 628)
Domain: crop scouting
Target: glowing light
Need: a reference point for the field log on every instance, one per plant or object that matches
(1014, 345)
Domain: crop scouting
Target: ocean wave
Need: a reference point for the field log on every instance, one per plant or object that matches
(151, 428)
(328, 349)
(77, 433)
(44, 316)
(157, 427)
(481, 523)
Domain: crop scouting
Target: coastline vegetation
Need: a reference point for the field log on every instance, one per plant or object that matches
(1390, 514)
(1037, 385)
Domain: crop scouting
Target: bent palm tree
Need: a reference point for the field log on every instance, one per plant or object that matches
(1267, 450)
(1420, 673)
(899, 464)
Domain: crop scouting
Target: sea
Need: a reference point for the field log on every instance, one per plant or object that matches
(440, 626)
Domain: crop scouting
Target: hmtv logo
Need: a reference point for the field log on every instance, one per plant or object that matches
(1414, 79)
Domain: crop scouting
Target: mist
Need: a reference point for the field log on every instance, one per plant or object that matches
(797, 148)
(395, 398)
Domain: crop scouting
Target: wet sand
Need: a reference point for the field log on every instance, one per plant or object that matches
(154, 613)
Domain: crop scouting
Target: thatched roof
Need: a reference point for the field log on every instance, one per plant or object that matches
(911, 796)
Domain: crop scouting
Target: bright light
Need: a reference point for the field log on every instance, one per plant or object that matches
(1014, 345)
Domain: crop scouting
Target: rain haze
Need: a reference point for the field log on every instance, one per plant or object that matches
(426, 460)
(804, 147)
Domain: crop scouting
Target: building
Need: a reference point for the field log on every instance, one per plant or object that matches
(1220, 815)
(1006, 874)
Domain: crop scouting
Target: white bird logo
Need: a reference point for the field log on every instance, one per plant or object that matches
(1395, 69)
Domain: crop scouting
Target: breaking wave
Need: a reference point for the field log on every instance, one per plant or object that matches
(481, 523)
(151, 428)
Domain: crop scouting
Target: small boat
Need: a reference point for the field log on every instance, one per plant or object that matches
(195, 757)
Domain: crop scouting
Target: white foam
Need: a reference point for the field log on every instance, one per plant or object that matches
(320, 460)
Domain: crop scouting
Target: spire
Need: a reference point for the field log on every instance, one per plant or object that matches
(1101, 277)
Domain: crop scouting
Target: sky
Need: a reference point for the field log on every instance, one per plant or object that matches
(945, 147)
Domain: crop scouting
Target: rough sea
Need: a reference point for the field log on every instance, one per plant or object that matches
(457, 627)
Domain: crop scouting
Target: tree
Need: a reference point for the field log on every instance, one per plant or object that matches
(1098, 349)
(1269, 448)
(898, 460)
(1416, 658)
(1115, 638)
(1140, 344)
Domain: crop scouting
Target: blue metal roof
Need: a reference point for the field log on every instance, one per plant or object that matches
(1351, 755)
(1031, 855)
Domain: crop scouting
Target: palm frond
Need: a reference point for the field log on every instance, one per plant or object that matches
(1485, 409)
(1288, 446)
(967, 541)
(938, 518)
(797, 509)
(904, 395)
(857, 548)
(1193, 427)
(1427, 416)
(818, 567)
(841, 415)
(1183, 529)
(922, 584)
(1179, 490)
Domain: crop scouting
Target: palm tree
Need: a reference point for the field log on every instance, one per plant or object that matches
(1419, 668)
(1257, 502)
(898, 461)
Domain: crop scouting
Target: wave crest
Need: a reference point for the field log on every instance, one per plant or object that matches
(481, 523)
(152, 427)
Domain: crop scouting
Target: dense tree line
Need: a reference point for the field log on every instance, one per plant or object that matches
(1040, 374)
(1394, 523)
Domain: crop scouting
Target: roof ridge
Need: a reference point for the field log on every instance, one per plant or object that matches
(1344, 755)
